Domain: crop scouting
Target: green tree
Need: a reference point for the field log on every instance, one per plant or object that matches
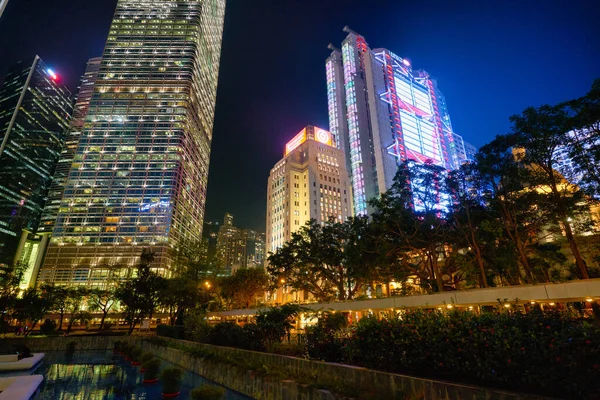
(541, 132)
(183, 293)
(584, 140)
(243, 286)
(32, 306)
(10, 279)
(102, 300)
(514, 207)
(75, 306)
(59, 297)
(275, 323)
(329, 261)
(139, 296)
(410, 223)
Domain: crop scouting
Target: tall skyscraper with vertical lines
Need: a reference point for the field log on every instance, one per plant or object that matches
(383, 112)
(139, 172)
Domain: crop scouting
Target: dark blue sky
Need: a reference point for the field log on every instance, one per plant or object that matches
(491, 58)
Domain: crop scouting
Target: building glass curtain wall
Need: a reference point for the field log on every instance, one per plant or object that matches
(139, 173)
(391, 114)
(80, 110)
(3, 4)
(34, 114)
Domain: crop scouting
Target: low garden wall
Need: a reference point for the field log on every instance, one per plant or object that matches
(367, 384)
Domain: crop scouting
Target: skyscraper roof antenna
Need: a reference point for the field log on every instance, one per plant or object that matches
(348, 30)
(331, 47)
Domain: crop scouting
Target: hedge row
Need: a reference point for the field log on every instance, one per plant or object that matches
(548, 354)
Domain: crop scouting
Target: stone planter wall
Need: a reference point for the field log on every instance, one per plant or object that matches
(373, 384)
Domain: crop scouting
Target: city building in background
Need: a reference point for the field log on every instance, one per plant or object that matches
(3, 4)
(210, 235)
(383, 113)
(139, 172)
(34, 250)
(310, 182)
(239, 248)
(34, 115)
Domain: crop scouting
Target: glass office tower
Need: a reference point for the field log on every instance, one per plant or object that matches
(80, 110)
(3, 4)
(34, 114)
(139, 173)
(384, 113)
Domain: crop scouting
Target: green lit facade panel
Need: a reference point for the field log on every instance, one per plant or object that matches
(139, 172)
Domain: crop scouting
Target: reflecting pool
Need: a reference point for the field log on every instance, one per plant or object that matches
(102, 375)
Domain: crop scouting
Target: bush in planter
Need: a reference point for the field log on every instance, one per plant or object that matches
(146, 357)
(151, 368)
(171, 378)
(208, 392)
(136, 355)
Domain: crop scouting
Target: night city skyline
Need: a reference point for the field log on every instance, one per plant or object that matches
(490, 61)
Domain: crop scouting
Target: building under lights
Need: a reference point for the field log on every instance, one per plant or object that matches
(239, 248)
(3, 4)
(34, 114)
(382, 112)
(139, 172)
(310, 182)
(34, 248)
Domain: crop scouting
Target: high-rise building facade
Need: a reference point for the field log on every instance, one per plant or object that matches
(310, 182)
(80, 110)
(139, 172)
(384, 113)
(3, 4)
(34, 115)
(239, 248)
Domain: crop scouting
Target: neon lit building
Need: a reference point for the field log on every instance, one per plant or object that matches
(389, 113)
(139, 172)
(310, 182)
(80, 110)
(34, 115)
(3, 4)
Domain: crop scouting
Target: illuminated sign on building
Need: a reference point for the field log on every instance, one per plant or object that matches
(295, 142)
(322, 136)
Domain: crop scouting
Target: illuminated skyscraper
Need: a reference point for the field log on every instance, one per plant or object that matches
(139, 173)
(34, 113)
(80, 110)
(310, 182)
(384, 113)
(3, 4)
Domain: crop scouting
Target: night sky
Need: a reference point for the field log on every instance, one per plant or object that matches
(491, 58)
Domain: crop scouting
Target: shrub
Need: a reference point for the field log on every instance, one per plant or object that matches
(171, 378)
(151, 368)
(175, 332)
(544, 353)
(48, 327)
(136, 354)
(147, 356)
(196, 326)
(208, 392)
(227, 334)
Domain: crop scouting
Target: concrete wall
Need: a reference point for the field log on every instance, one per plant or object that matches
(368, 383)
